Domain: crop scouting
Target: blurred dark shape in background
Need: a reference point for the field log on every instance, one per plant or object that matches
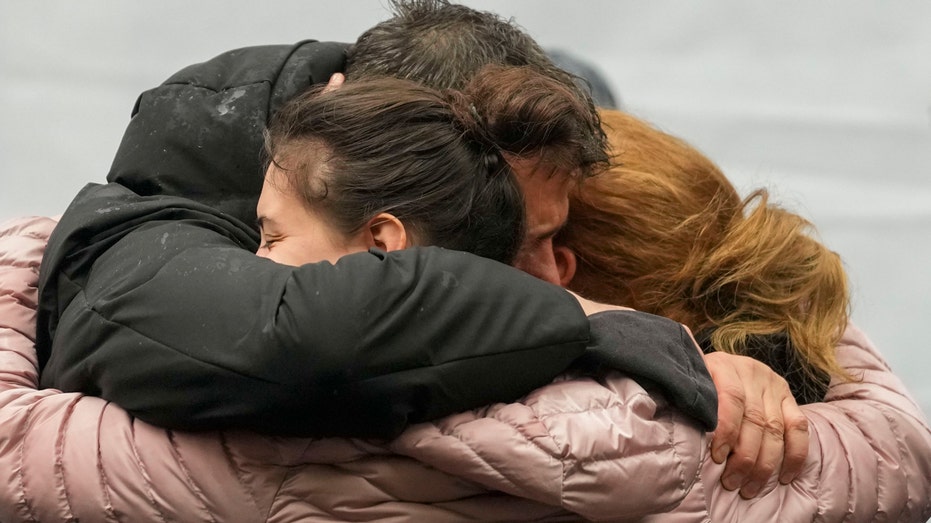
(600, 89)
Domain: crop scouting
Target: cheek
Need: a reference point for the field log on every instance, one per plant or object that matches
(540, 262)
(281, 256)
(285, 253)
(300, 251)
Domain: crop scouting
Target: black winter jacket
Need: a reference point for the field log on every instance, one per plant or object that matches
(150, 295)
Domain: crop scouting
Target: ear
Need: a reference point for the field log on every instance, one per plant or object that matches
(565, 264)
(387, 233)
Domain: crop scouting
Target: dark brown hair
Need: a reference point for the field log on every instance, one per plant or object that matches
(434, 159)
(444, 45)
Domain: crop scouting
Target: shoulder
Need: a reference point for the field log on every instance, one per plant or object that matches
(25, 233)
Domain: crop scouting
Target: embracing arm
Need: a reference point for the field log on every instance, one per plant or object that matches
(211, 337)
(875, 436)
(163, 311)
(73, 457)
(869, 454)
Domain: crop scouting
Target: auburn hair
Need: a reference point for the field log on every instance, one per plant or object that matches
(665, 232)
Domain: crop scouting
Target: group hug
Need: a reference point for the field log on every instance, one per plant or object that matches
(425, 276)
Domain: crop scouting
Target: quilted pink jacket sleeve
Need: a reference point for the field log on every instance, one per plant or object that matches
(56, 463)
(614, 451)
(603, 449)
(869, 457)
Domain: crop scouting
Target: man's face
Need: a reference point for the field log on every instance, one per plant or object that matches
(546, 200)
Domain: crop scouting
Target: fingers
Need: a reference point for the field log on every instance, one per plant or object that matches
(760, 430)
(336, 81)
(731, 404)
(731, 407)
(743, 458)
(796, 441)
(769, 455)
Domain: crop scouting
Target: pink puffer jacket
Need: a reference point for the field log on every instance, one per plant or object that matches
(603, 449)
(869, 457)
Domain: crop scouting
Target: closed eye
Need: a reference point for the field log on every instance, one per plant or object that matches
(268, 242)
(265, 240)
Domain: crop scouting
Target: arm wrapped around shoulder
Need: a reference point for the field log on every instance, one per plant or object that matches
(157, 305)
(657, 351)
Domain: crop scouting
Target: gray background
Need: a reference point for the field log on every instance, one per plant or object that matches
(826, 103)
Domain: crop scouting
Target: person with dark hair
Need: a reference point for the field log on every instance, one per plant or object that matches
(385, 153)
(442, 45)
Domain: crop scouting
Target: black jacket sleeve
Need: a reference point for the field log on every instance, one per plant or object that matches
(150, 296)
(170, 316)
(657, 352)
(198, 135)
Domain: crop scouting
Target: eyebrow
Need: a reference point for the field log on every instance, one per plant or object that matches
(552, 233)
(262, 221)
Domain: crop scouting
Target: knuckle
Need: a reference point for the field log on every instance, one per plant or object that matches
(798, 424)
(763, 471)
(725, 428)
(773, 427)
(733, 393)
(741, 463)
(725, 432)
(795, 459)
(755, 416)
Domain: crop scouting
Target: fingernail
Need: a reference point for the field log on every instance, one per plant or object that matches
(751, 489)
(720, 454)
(732, 481)
(785, 478)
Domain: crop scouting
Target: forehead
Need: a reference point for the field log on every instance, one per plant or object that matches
(549, 185)
(540, 179)
(546, 195)
(273, 186)
(279, 197)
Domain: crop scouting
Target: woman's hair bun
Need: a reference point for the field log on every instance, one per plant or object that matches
(475, 128)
